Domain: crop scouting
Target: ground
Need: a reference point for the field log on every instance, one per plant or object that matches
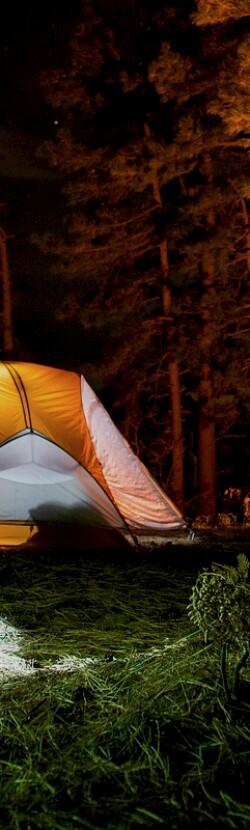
(112, 713)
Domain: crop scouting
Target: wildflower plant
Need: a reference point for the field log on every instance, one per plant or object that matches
(220, 607)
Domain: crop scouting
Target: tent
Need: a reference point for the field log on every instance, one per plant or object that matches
(63, 462)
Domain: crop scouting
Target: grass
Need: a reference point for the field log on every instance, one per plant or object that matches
(140, 738)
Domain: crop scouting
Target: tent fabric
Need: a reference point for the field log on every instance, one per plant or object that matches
(44, 487)
(62, 460)
(16, 534)
(48, 401)
(139, 499)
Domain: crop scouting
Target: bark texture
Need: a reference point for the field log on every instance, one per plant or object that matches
(177, 476)
(7, 327)
(206, 432)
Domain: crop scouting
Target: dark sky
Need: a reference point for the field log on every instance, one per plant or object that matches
(34, 39)
(31, 40)
(31, 199)
(28, 43)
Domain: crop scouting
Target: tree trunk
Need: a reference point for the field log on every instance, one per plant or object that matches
(206, 444)
(246, 229)
(177, 482)
(246, 224)
(206, 429)
(177, 477)
(7, 329)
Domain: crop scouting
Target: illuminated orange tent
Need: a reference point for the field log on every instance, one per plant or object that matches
(63, 461)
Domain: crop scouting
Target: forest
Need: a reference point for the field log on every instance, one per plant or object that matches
(142, 274)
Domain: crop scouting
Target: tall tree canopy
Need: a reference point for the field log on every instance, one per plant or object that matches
(155, 242)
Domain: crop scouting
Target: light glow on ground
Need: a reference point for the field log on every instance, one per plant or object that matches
(12, 664)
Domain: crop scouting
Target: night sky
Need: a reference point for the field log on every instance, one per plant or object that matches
(31, 40)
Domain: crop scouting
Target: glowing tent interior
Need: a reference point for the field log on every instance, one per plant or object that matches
(63, 462)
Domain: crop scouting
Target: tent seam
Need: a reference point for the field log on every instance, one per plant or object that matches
(79, 463)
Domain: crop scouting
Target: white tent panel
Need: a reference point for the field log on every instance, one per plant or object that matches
(47, 454)
(16, 451)
(33, 474)
(138, 497)
(32, 490)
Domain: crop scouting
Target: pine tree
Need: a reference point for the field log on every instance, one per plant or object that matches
(211, 12)
(114, 191)
(141, 151)
(215, 121)
(7, 323)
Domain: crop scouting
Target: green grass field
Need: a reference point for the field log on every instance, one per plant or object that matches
(120, 720)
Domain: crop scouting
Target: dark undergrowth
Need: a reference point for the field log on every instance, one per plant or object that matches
(142, 737)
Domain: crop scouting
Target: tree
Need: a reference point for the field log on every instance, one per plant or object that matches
(114, 192)
(227, 306)
(141, 162)
(140, 150)
(214, 121)
(211, 12)
(7, 326)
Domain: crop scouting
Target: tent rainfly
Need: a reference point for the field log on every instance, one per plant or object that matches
(64, 462)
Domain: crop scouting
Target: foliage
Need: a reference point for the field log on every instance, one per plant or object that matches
(133, 147)
(220, 606)
(210, 12)
(220, 602)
